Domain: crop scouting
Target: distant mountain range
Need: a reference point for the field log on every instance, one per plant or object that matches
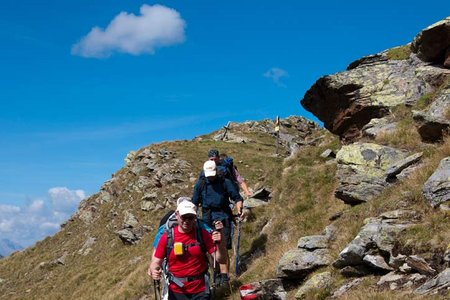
(7, 247)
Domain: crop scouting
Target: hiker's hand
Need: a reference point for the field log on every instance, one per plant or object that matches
(248, 194)
(155, 273)
(241, 215)
(216, 236)
(218, 225)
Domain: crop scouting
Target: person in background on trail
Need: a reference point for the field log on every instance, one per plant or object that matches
(213, 193)
(187, 262)
(227, 162)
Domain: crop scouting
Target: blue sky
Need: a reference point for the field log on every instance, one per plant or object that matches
(84, 82)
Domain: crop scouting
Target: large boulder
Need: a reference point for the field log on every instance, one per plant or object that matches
(437, 188)
(365, 170)
(433, 122)
(345, 102)
(348, 100)
(432, 43)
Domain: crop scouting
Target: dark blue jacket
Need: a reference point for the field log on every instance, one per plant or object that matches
(214, 197)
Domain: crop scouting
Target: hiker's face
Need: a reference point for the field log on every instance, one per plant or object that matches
(215, 159)
(211, 178)
(186, 222)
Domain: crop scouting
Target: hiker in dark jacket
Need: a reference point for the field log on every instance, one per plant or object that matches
(213, 194)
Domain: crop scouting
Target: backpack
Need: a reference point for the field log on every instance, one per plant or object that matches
(228, 167)
(169, 230)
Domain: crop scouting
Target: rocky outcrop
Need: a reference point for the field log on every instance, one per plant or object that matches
(437, 188)
(365, 170)
(432, 43)
(347, 101)
(132, 231)
(372, 249)
(434, 122)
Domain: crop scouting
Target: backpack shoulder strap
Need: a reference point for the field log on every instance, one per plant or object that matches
(198, 233)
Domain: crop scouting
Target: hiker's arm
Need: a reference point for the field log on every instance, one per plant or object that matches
(196, 194)
(155, 269)
(241, 182)
(239, 207)
(220, 254)
(245, 189)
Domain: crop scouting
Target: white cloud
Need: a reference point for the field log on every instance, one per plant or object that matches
(64, 200)
(40, 218)
(276, 74)
(156, 26)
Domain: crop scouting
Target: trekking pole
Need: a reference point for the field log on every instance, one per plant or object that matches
(237, 247)
(157, 285)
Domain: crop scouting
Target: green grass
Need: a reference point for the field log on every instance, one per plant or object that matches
(399, 53)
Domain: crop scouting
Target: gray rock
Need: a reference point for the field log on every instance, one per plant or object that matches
(447, 254)
(397, 261)
(298, 263)
(128, 236)
(378, 235)
(437, 188)
(361, 171)
(431, 44)
(356, 271)
(390, 277)
(397, 167)
(147, 206)
(433, 122)
(420, 265)
(130, 221)
(377, 261)
(440, 282)
(313, 242)
(266, 290)
(378, 126)
(253, 202)
(405, 268)
(346, 287)
(401, 214)
(328, 154)
(318, 281)
(330, 232)
(87, 246)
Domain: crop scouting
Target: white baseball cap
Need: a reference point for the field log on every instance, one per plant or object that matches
(209, 167)
(186, 207)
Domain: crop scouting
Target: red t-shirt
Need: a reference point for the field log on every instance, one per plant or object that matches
(191, 263)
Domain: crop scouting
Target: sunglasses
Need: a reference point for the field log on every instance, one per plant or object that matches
(188, 217)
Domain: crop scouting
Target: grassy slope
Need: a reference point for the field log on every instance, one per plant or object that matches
(302, 204)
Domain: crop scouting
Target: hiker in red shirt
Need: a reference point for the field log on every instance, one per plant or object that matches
(186, 248)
